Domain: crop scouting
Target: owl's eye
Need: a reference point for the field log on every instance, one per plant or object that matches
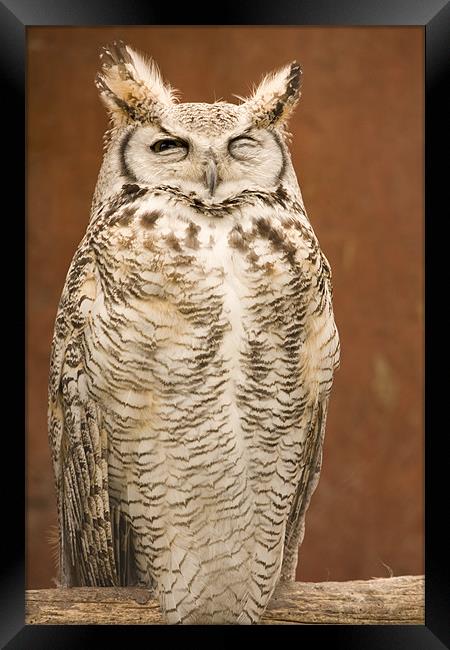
(168, 144)
(242, 146)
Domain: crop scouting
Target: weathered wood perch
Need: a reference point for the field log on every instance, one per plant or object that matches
(381, 601)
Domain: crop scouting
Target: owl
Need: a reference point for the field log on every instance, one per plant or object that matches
(193, 353)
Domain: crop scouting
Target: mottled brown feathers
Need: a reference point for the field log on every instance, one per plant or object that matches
(238, 239)
(148, 219)
(131, 87)
(191, 238)
(276, 96)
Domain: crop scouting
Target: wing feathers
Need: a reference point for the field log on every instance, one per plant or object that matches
(309, 479)
(88, 557)
(79, 448)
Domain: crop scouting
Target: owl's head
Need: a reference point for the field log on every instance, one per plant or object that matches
(211, 151)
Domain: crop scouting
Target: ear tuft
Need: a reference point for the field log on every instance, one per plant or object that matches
(130, 86)
(276, 96)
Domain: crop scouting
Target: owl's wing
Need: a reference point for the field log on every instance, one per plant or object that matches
(94, 540)
(295, 527)
(321, 359)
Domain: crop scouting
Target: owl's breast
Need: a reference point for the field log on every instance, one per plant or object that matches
(194, 346)
(179, 279)
(200, 316)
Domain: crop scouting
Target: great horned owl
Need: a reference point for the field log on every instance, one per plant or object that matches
(193, 353)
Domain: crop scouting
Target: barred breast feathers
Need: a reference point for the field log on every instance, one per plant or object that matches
(179, 334)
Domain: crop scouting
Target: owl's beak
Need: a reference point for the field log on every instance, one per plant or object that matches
(211, 175)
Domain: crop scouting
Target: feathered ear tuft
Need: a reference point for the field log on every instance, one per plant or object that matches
(130, 86)
(276, 96)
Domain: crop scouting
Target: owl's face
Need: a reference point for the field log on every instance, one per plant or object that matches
(197, 157)
(209, 151)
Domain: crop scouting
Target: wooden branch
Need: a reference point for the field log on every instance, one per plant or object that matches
(381, 601)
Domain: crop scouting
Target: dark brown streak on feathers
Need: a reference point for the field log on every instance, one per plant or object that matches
(125, 217)
(129, 193)
(126, 171)
(278, 240)
(191, 239)
(292, 88)
(149, 219)
(282, 171)
(130, 188)
(281, 196)
(238, 239)
(246, 197)
(252, 257)
(173, 242)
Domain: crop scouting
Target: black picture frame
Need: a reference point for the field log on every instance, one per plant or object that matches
(434, 17)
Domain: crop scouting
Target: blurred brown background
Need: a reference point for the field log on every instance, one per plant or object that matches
(357, 149)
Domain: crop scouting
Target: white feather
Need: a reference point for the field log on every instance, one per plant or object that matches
(147, 71)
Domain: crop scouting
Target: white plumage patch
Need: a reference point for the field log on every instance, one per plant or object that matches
(276, 96)
(146, 70)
